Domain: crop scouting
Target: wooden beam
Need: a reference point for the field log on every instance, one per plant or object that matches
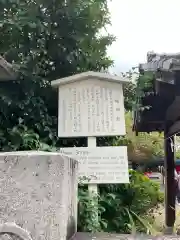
(169, 181)
(173, 111)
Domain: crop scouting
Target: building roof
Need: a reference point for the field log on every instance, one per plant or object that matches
(89, 75)
(163, 62)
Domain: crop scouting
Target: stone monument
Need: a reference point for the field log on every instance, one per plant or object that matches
(38, 192)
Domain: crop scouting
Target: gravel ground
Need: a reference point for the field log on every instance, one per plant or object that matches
(159, 215)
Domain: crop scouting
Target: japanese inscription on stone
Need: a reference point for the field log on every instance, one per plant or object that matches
(101, 164)
(91, 108)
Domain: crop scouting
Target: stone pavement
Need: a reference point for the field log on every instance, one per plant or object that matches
(106, 236)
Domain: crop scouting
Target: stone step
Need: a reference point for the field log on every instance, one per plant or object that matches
(107, 236)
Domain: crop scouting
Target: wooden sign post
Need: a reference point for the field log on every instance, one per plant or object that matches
(90, 105)
(92, 144)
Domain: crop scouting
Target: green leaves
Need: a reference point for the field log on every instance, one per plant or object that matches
(122, 208)
(142, 147)
(46, 41)
(87, 211)
(145, 85)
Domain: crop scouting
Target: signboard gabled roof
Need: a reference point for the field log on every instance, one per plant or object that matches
(89, 75)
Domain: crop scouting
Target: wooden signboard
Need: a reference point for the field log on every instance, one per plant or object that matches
(90, 104)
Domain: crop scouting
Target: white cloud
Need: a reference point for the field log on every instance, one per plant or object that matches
(141, 26)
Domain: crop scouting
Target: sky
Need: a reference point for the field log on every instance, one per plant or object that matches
(141, 26)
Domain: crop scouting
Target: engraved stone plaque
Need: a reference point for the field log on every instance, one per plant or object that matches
(91, 108)
(38, 196)
(101, 164)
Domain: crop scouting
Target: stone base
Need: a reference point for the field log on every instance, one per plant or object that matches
(168, 230)
(107, 236)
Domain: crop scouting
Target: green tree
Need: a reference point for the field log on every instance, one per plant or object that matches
(142, 147)
(129, 95)
(129, 89)
(45, 40)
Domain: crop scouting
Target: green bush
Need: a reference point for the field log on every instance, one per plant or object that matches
(87, 211)
(121, 207)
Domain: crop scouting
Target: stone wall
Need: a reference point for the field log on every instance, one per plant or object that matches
(38, 192)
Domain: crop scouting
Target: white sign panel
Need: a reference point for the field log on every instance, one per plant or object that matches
(101, 164)
(91, 108)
